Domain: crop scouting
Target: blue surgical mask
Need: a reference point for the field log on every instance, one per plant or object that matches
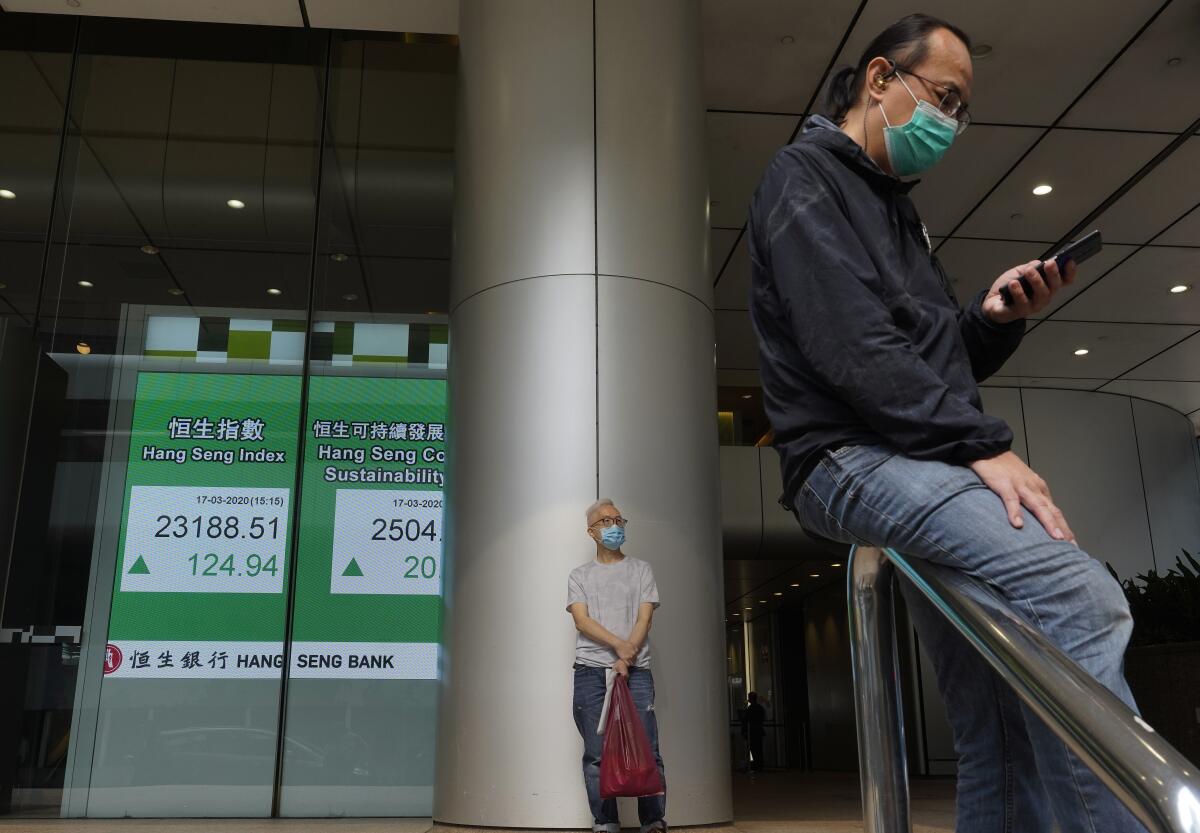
(612, 537)
(920, 142)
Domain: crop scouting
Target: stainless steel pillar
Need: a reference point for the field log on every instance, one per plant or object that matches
(581, 366)
(882, 766)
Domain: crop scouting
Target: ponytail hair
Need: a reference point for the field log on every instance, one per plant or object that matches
(904, 42)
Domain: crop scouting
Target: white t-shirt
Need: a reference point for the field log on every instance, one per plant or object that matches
(613, 593)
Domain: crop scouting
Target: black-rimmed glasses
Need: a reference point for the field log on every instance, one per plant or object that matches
(951, 104)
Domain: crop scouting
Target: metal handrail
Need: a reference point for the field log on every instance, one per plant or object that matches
(1158, 785)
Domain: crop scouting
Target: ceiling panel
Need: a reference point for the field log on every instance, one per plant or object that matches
(733, 292)
(259, 12)
(973, 165)
(1181, 363)
(1042, 382)
(1159, 199)
(25, 78)
(740, 147)
(748, 65)
(1020, 82)
(1138, 290)
(1142, 91)
(1048, 350)
(736, 344)
(1186, 232)
(974, 265)
(1182, 396)
(1083, 166)
(430, 16)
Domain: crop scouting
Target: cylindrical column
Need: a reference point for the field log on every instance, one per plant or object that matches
(581, 366)
(882, 766)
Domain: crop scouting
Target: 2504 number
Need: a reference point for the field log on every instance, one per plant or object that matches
(398, 529)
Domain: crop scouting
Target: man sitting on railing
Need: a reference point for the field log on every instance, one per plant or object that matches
(869, 371)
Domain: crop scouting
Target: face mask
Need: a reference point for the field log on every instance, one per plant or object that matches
(613, 537)
(919, 143)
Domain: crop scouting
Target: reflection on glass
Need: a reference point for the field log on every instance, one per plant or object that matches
(367, 621)
(156, 303)
(185, 403)
(43, 578)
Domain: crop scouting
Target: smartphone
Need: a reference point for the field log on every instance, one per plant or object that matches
(1079, 251)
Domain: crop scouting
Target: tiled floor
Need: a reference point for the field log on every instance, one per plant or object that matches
(774, 802)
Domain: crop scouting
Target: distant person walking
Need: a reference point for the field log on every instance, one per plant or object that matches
(754, 720)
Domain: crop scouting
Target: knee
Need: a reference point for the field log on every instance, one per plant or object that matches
(1111, 605)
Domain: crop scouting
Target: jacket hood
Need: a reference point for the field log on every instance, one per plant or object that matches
(820, 131)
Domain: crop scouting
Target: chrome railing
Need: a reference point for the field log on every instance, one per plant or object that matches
(1146, 773)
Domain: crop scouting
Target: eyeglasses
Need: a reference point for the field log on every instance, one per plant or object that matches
(608, 522)
(951, 104)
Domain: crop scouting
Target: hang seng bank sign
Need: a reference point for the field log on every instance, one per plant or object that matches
(202, 580)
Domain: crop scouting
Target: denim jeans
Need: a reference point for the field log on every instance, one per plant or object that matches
(1014, 775)
(589, 703)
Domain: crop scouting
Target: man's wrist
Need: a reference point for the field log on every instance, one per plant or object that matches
(1011, 323)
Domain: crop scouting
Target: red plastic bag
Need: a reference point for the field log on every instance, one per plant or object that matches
(627, 765)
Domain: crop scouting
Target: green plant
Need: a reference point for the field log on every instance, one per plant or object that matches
(1165, 608)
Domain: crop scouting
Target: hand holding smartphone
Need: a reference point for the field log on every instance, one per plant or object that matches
(1079, 251)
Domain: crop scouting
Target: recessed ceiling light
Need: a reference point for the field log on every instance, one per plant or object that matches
(1174, 62)
(1082, 351)
(274, 291)
(778, 594)
(747, 608)
(787, 40)
(747, 396)
(339, 257)
(762, 601)
(150, 249)
(83, 348)
(735, 614)
(174, 291)
(981, 50)
(797, 584)
(1183, 287)
(74, 4)
(6, 194)
(814, 575)
(1042, 190)
(836, 564)
(236, 204)
(349, 296)
(1016, 216)
(86, 284)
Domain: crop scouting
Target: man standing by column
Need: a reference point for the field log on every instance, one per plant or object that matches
(611, 595)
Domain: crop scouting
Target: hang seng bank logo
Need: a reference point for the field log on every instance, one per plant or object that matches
(112, 659)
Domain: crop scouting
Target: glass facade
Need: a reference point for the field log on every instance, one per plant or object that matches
(223, 339)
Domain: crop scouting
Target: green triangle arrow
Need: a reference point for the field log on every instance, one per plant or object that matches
(352, 569)
(139, 568)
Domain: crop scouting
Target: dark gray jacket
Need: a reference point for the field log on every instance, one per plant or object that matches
(860, 337)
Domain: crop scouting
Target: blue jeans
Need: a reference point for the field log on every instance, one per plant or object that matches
(589, 703)
(1014, 775)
